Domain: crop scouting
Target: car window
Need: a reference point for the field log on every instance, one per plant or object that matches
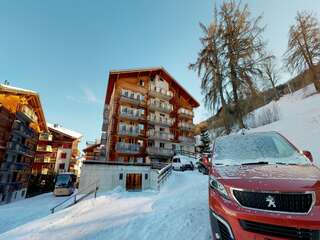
(271, 147)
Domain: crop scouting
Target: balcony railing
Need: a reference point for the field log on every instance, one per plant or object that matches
(132, 100)
(133, 116)
(186, 126)
(122, 147)
(160, 121)
(161, 107)
(21, 149)
(185, 112)
(23, 130)
(160, 135)
(160, 93)
(160, 151)
(46, 159)
(45, 148)
(187, 140)
(128, 132)
(45, 137)
(29, 113)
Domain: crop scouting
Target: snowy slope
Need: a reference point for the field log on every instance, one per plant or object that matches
(178, 211)
(21, 212)
(299, 120)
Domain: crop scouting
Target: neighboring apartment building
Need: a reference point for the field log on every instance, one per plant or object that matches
(21, 121)
(57, 151)
(148, 116)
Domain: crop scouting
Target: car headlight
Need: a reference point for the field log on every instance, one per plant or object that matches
(216, 185)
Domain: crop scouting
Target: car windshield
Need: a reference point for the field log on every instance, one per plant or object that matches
(63, 180)
(262, 148)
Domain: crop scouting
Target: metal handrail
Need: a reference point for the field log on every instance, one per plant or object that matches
(74, 196)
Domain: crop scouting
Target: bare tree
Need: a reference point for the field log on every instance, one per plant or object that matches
(304, 46)
(244, 51)
(271, 76)
(210, 66)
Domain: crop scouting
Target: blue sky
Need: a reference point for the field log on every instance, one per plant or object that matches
(65, 49)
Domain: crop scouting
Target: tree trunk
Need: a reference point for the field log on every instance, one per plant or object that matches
(315, 79)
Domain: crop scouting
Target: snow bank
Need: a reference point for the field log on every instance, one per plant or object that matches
(178, 211)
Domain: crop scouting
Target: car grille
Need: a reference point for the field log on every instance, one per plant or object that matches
(278, 231)
(280, 202)
(225, 235)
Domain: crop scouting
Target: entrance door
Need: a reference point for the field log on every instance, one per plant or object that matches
(133, 182)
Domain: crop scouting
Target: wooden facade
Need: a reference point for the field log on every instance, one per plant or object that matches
(21, 121)
(148, 116)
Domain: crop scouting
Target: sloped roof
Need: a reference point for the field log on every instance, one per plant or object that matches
(64, 131)
(114, 74)
(33, 99)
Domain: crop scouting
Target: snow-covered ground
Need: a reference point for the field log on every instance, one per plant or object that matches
(299, 120)
(178, 211)
(21, 212)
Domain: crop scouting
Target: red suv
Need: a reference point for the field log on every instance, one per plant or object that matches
(262, 187)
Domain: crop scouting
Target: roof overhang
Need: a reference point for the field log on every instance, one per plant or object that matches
(11, 98)
(140, 72)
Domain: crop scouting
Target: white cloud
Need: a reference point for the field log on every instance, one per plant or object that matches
(87, 95)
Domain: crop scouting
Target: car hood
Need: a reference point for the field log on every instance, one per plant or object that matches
(287, 178)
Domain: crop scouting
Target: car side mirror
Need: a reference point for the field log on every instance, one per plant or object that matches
(308, 155)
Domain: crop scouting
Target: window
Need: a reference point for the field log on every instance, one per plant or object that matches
(61, 166)
(161, 145)
(162, 129)
(22, 193)
(146, 176)
(63, 155)
(141, 82)
(121, 176)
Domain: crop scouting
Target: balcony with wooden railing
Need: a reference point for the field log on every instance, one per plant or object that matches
(44, 148)
(162, 121)
(21, 149)
(23, 130)
(156, 151)
(161, 93)
(45, 137)
(160, 106)
(133, 98)
(186, 126)
(160, 135)
(28, 113)
(130, 148)
(183, 112)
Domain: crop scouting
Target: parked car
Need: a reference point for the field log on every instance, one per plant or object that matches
(204, 163)
(182, 163)
(262, 187)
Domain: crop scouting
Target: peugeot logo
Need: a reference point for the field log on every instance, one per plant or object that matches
(271, 202)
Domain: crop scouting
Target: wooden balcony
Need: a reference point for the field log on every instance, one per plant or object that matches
(186, 126)
(160, 107)
(44, 148)
(28, 113)
(158, 135)
(45, 137)
(128, 148)
(19, 148)
(23, 130)
(160, 93)
(131, 116)
(183, 112)
(131, 100)
(155, 151)
(165, 122)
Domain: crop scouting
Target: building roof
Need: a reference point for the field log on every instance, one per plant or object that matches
(91, 146)
(64, 131)
(136, 72)
(33, 99)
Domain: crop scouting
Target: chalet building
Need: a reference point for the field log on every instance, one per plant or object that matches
(57, 151)
(21, 121)
(148, 117)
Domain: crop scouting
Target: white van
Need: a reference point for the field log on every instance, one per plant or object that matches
(182, 163)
